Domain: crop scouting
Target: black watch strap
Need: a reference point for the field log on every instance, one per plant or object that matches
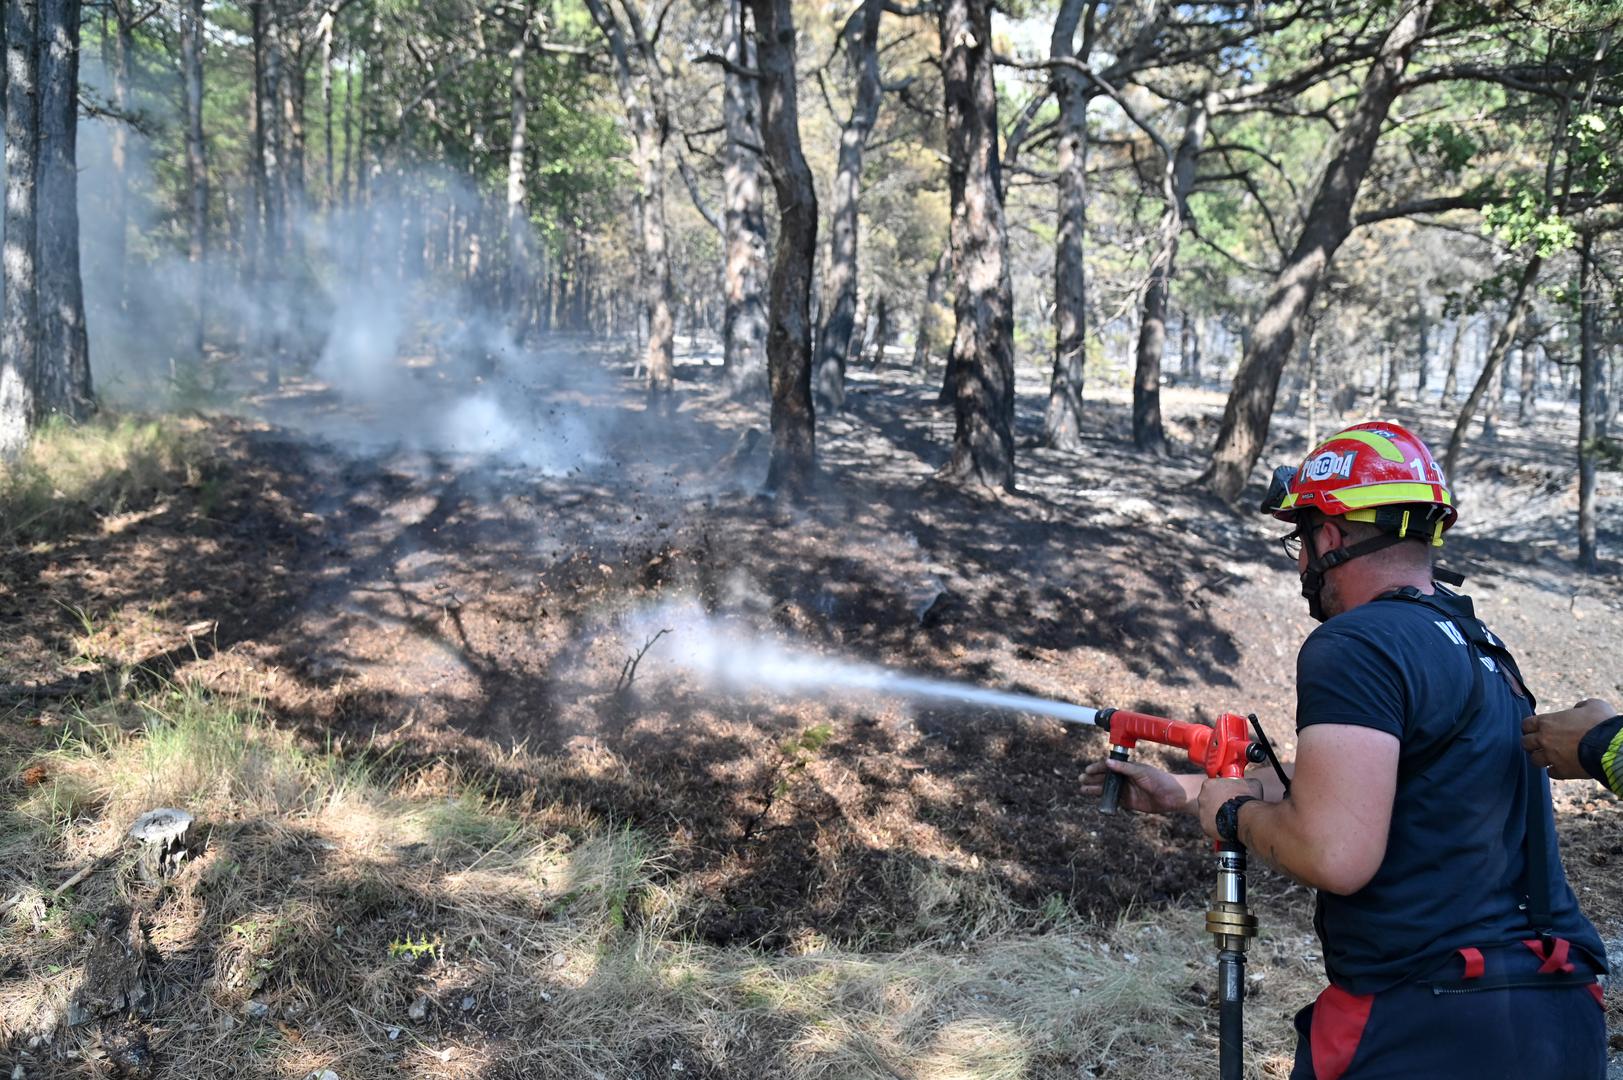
(1228, 818)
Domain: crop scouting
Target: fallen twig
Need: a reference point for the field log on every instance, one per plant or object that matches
(628, 671)
(76, 878)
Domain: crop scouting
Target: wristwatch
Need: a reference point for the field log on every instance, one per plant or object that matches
(1228, 818)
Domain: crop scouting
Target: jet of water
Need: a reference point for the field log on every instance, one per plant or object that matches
(729, 657)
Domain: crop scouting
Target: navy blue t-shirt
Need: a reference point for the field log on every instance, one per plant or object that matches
(1452, 874)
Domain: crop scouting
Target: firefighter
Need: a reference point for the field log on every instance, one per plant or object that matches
(1453, 944)
(1585, 740)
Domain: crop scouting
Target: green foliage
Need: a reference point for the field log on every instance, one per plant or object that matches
(1525, 219)
(1450, 143)
(1596, 147)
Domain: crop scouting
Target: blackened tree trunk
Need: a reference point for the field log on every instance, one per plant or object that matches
(1589, 404)
(788, 344)
(881, 330)
(1492, 361)
(839, 330)
(1062, 421)
(19, 331)
(983, 343)
(197, 177)
(64, 349)
(744, 319)
(1148, 432)
(1329, 222)
(926, 322)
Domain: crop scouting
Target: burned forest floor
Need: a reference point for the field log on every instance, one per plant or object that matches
(412, 654)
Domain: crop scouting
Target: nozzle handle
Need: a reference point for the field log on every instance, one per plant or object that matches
(1113, 780)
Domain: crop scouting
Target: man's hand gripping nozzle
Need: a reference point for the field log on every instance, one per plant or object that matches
(1222, 750)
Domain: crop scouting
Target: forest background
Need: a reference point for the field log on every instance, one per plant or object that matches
(370, 369)
(1090, 185)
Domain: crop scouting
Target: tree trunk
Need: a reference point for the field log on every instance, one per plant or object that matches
(1312, 356)
(660, 357)
(642, 94)
(983, 344)
(1423, 360)
(1194, 356)
(1389, 392)
(349, 120)
(926, 322)
(1329, 221)
(1526, 389)
(1062, 421)
(1148, 433)
(294, 81)
(19, 330)
(191, 54)
(744, 225)
(839, 328)
(64, 350)
(1491, 362)
(328, 19)
(1589, 406)
(363, 131)
(788, 344)
(119, 47)
(1452, 375)
(881, 333)
(520, 265)
(1495, 400)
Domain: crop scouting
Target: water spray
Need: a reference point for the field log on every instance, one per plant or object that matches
(1223, 749)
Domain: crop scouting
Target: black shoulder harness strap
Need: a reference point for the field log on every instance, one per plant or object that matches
(1490, 654)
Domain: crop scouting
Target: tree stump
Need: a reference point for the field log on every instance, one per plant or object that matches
(164, 836)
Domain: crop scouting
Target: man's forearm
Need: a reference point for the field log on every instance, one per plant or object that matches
(1276, 833)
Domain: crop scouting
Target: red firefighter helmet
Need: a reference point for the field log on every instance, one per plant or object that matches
(1377, 472)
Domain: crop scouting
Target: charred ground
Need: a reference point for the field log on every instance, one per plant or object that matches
(434, 610)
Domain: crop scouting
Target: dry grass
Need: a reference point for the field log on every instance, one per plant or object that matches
(386, 925)
(74, 473)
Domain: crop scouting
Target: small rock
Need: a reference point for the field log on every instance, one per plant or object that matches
(324, 1074)
(394, 1033)
(17, 1073)
(256, 1010)
(419, 1008)
(467, 1003)
(559, 959)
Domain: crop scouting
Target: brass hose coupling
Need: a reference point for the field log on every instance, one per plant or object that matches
(1228, 919)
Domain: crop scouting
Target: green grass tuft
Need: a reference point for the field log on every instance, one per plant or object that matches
(72, 474)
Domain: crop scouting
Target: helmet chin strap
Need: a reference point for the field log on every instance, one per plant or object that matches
(1313, 576)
